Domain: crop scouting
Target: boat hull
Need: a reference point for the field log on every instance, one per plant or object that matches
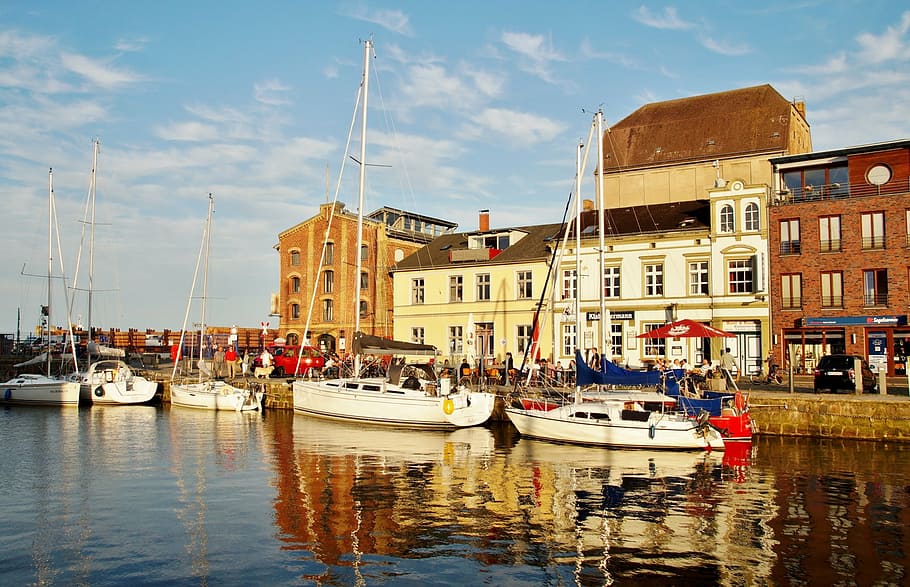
(111, 382)
(376, 402)
(40, 390)
(608, 425)
(215, 395)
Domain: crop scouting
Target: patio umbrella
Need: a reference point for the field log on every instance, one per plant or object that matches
(685, 329)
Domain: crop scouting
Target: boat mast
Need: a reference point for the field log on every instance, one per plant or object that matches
(576, 301)
(599, 117)
(367, 46)
(50, 264)
(205, 274)
(91, 251)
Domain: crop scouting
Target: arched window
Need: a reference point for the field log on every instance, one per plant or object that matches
(328, 281)
(295, 258)
(364, 309)
(753, 220)
(295, 311)
(295, 284)
(328, 310)
(726, 218)
(329, 257)
(364, 280)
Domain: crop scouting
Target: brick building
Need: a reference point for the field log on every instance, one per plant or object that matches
(839, 241)
(389, 235)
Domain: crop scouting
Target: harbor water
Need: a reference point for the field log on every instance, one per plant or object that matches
(160, 495)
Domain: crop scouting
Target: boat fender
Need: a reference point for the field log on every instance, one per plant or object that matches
(651, 431)
(739, 401)
(448, 406)
(99, 391)
(8, 394)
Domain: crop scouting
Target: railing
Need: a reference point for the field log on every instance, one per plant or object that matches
(875, 299)
(832, 301)
(873, 242)
(811, 193)
(790, 248)
(791, 303)
(828, 246)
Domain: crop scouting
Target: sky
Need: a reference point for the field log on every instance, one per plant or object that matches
(472, 105)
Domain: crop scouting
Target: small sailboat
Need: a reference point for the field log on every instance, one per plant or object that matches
(108, 380)
(410, 395)
(44, 389)
(208, 393)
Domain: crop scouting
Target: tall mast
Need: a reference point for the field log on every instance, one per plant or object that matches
(367, 46)
(578, 258)
(601, 206)
(91, 248)
(50, 262)
(205, 274)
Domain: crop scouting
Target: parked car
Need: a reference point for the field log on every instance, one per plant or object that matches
(837, 373)
(284, 359)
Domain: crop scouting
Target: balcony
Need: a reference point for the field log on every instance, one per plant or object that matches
(790, 248)
(791, 303)
(835, 191)
(875, 300)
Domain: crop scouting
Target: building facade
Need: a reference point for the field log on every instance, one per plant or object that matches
(318, 266)
(840, 245)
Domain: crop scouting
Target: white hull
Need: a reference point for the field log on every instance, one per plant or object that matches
(112, 382)
(215, 395)
(378, 402)
(608, 424)
(40, 390)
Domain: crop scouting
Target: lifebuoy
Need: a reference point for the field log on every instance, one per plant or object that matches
(448, 406)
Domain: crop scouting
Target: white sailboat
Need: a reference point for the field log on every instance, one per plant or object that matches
(208, 393)
(410, 395)
(619, 421)
(108, 380)
(44, 389)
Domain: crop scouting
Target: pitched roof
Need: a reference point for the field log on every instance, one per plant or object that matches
(531, 247)
(735, 122)
(691, 215)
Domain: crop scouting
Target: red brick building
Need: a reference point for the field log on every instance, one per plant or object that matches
(389, 235)
(839, 242)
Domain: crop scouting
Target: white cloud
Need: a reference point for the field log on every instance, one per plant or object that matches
(669, 19)
(728, 48)
(537, 54)
(393, 20)
(521, 129)
(97, 72)
(187, 131)
(131, 45)
(271, 92)
(889, 45)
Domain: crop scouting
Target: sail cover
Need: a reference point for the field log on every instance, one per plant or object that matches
(367, 344)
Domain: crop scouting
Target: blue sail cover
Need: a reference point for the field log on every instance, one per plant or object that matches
(611, 374)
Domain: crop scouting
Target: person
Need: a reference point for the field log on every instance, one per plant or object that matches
(465, 369)
(594, 359)
(728, 364)
(230, 357)
(218, 363)
(507, 367)
(245, 363)
(771, 360)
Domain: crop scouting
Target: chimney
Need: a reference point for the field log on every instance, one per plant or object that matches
(484, 222)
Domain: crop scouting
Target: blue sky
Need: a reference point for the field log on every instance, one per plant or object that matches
(474, 105)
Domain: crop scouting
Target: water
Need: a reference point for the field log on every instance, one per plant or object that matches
(168, 496)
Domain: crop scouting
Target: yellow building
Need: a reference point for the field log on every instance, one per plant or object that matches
(474, 294)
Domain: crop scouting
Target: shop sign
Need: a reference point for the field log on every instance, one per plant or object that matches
(856, 321)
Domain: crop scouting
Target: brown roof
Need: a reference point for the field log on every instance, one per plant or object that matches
(692, 215)
(736, 122)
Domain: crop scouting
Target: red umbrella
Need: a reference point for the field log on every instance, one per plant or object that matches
(685, 329)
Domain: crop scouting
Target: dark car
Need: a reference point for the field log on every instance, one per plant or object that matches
(837, 373)
(284, 360)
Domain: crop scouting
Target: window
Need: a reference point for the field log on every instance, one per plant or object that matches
(483, 287)
(753, 220)
(523, 336)
(456, 288)
(417, 334)
(739, 276)
(417, 291)
(829, 234)
(364, 253)
(568, 340)
(329, 257)
(295, 258)
(654, 347)
(615, 343)
(568, 284)
(817, 182)
(364, 309)
(295, 311)
(726, 218)
(789, 237)
(525, 289)
(791, 286)
(456, 340)
(611, 282)
(654, 279)
(698, 278)
(873, 230)
(875, 287)
(295, 284)
(328, 310)
(832, 289)
(328, 281)
(364, 280)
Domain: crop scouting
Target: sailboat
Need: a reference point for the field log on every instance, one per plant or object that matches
(108, 380)
(410, 395)
(621, 420)
(44, 389)
(208, 393)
